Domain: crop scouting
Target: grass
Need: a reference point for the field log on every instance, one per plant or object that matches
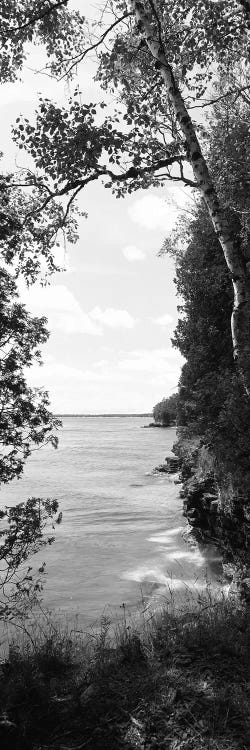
(177, 681)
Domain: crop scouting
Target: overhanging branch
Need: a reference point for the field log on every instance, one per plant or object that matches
(74, 187)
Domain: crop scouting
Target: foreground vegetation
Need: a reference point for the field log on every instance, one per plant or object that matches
(180, 680)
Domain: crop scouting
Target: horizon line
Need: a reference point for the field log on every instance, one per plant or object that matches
(101, 414)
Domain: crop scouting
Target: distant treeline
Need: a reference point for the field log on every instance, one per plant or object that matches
(165, 412)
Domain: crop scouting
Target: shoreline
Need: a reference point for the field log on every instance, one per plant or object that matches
(201, 509)
(174, 677)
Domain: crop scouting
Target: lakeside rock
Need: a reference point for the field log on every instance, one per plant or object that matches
(204, 510)
(214, 521)
(171, 466)
(155, 424)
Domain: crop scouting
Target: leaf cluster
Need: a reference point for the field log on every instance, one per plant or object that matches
(23, 533)
(26, 421)
(73, 146)
(229, 155)
(196, 37)
(31, 227)
(48, 23)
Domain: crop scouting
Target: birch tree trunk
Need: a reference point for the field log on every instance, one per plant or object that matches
(237, 264)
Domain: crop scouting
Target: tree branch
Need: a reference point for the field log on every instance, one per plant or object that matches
(134, 172)
(208, 102)
(82, 55)
(77, 185)
(39, 17)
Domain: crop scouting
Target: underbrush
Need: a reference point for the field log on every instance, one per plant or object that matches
(179, 680)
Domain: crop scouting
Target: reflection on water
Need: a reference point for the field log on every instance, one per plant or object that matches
(123, 529)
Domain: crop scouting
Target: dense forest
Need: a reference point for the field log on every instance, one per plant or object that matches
(178, 75)
(165, 412)
(213, 405)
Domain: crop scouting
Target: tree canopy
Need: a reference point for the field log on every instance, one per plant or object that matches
(164, 62)
(48, 23)
(165, 412)
(26, 421)
(213, 407)
(161, 61)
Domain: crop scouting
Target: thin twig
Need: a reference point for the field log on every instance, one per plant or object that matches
(208, 102)
(81, 56)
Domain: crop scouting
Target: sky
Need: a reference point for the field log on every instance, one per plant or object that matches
(112, 313)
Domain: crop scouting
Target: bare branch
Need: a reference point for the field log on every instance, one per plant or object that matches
(208, 102)
(71, 200)
(132, 173)
(81, 56)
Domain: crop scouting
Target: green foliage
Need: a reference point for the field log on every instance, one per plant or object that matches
(22, 535)
(190, 688)
(202, 280)
(65, 143)
(26, 421)
(31, 226)
(26, 244)
(50, 24)
(75, 145)
(212, 405)
(229, 155)
(71, 148)
(26, 424)
(165, 412)
(195, 35)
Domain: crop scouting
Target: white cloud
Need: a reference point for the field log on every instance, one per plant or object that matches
(63, 311)
(112, 318)
(133, 253)
(163, 320)
(163, 364)
(101, 269)
(132, 381)
(147, 359)
(55, 374)
(153, 212)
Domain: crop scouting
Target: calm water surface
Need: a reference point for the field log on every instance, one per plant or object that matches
(123, 531)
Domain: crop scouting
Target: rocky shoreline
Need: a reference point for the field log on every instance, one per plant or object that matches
(172, 465)
(159, 425)
(208, 523)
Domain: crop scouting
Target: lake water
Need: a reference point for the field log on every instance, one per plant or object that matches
(123, 533)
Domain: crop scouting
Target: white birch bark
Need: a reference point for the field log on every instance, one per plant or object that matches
(237, 265)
